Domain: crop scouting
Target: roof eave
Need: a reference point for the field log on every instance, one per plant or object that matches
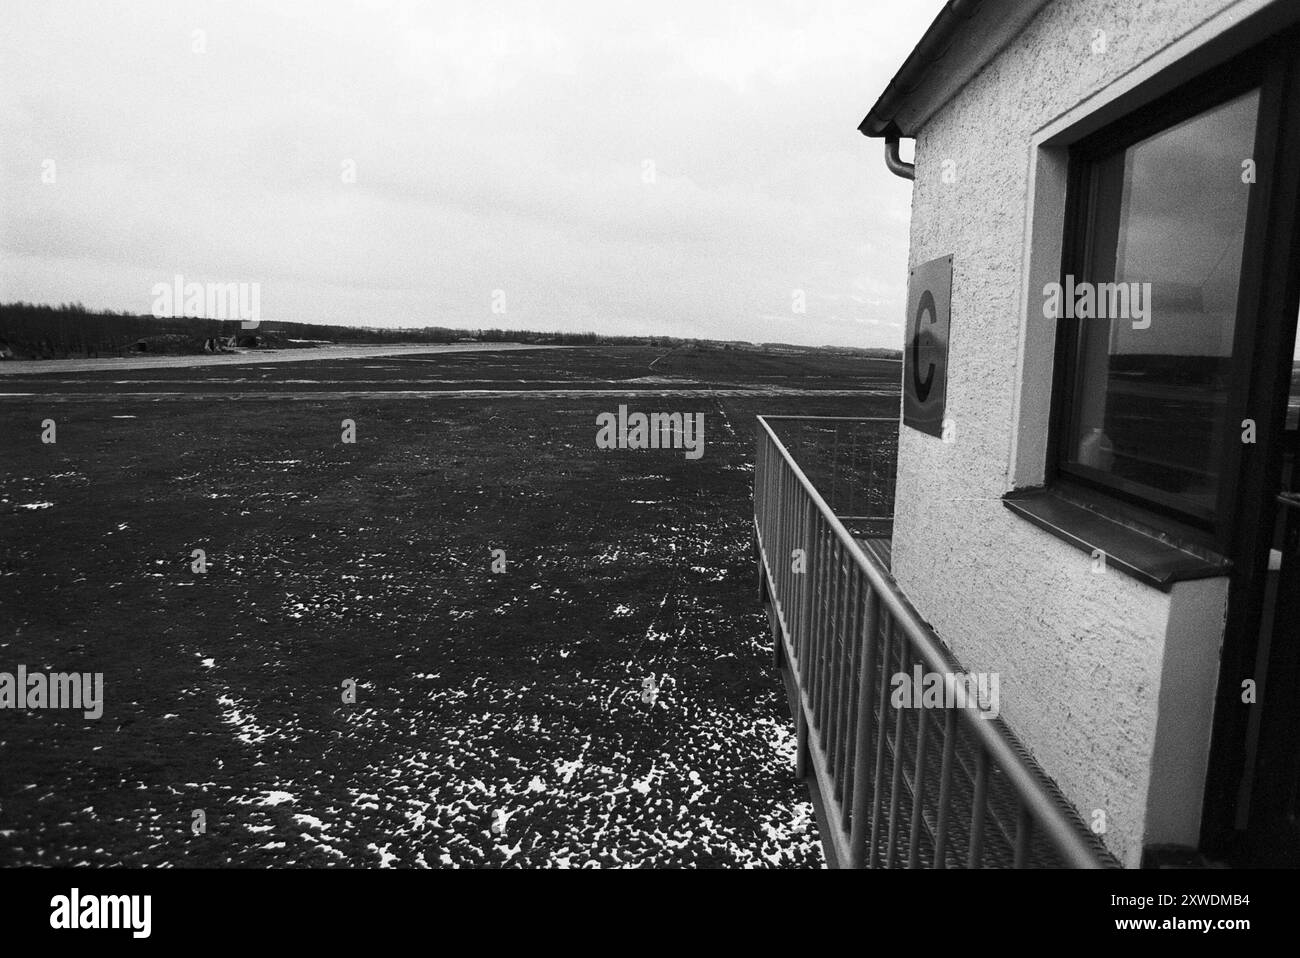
(963, 38)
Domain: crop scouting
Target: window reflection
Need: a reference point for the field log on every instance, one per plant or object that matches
(1151, 404)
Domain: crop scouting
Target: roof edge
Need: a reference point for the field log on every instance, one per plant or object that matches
(964, 37)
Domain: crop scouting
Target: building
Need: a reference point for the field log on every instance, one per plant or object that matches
(1096, 503)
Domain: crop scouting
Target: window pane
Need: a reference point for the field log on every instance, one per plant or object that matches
(1151, 408)
(1293, 403)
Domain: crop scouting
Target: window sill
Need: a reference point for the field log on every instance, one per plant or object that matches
(1136, 553)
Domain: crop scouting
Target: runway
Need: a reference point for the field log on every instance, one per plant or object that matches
(321, 394)
(252, 357)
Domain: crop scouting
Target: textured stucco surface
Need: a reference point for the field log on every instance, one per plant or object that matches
(1080, 654)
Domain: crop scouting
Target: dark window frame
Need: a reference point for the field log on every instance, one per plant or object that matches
(1274, 300)
(1130, 502)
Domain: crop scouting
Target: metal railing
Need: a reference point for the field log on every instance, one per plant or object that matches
(850, 461)
(928, 787)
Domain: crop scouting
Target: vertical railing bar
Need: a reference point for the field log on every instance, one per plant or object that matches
(897, 786)
(918, 791)
(834, 667)
(798, 537)
(828, 659)
(801, 741)
(878, 786)
(825, 575)
(848, 639)
(945, 788)
(799, 525)
(814, 627)
(792, 515)
(805, 610)
(977, 808)
(853, 654)
(778, 546)
(790, 519)
(1024, 829)
(862, 744)
(809, 579)
(787, 495)
(778, 600)
(826, 609)
(823, 663)
(780, 511)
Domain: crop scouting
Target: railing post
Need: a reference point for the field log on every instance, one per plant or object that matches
(1024, 832)
(778, 646)
(866, 711)
(810, 571)
(945, 788)
(826, 666)
(918, 793)
(895, 791)
(879, 775)
(853, 653)
(977, 809)
(801, 743)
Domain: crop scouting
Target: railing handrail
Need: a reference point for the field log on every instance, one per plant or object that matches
(1063, 832)
(891, 419)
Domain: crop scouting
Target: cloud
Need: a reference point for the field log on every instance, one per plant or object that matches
(677, 168)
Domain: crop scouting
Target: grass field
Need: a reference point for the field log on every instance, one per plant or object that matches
(499, 717)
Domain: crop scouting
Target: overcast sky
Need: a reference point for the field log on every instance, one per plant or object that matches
(668, 168)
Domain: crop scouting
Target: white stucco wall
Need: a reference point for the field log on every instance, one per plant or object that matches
(1080, 654)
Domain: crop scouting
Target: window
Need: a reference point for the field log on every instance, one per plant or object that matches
(1151, 349)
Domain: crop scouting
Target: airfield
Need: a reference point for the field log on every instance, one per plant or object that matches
(491, 589)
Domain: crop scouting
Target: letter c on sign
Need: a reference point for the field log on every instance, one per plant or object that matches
(922, 386)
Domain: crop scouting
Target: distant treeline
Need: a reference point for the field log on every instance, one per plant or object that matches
(36, 331)
(30, 330)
